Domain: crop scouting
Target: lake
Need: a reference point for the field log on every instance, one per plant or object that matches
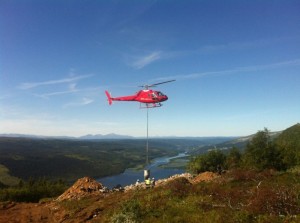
(130, 176)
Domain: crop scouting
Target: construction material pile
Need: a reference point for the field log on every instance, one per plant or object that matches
(188, 176)
(141, 185)
(205, 177)
(83, 187)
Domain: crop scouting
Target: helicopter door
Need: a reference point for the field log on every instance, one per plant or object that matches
(154, 96)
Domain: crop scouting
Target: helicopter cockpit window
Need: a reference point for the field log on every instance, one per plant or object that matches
(160, 94)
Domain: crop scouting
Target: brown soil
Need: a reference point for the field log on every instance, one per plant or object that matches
(29, 212)
(205, 177)
(83, 187)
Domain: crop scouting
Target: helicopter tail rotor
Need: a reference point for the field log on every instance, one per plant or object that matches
(108, 97)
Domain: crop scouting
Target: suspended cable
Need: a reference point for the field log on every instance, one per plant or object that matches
(147, 142)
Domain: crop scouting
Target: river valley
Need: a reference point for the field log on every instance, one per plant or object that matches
(130, 176)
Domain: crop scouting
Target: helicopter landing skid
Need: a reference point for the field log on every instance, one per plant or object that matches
(150, 105)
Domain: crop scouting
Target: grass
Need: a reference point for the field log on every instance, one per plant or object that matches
(262, 197)
(74, 206)
(6, 178)
(77, 156)
(176, 163)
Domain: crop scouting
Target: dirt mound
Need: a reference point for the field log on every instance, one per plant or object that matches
(205, 177)
(82, 188)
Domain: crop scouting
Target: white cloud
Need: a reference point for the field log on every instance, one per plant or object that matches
(72, 89)
(55, 126)
(30, 85)
(47, 95)
(245, 45)
(83, 102)
(145, 60)
(87, 101)
(253, 68)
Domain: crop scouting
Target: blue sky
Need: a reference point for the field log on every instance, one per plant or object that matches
(236, 65)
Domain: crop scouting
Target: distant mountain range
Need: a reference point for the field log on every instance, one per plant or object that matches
(207, 140)
(219, 142)
(85, 137)
(107, 136)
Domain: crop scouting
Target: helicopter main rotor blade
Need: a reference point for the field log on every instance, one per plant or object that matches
(153, 85)
(160, 83)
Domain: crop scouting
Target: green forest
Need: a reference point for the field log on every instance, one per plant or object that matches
(32, 190)
(262, 152)
(25, 158)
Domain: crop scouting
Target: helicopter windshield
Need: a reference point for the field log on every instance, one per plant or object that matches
(160, 94)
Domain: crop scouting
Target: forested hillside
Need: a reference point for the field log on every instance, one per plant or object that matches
(289, 144)
(71, 159)
(262, 151)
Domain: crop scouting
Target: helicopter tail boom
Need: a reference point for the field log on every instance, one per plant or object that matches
(108, 97)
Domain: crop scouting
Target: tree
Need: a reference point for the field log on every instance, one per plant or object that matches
(289, 144)
(233, 158)
(261, 153)
(207, 162)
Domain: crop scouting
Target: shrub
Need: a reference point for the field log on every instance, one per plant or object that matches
(207, 162)
(278, 200)
(130, 212)
(179, 187)
(243, 175)
(233, 158)
(122, 218)
(32, 191)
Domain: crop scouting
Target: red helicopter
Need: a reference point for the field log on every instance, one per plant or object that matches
(150, 98)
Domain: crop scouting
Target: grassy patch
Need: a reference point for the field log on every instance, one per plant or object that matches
(77, 156)
(176, 163)
(246, 197)
(74, 206)
(7, 179)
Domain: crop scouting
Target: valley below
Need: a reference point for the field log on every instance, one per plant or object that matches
(70, 159)
(248, 179)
